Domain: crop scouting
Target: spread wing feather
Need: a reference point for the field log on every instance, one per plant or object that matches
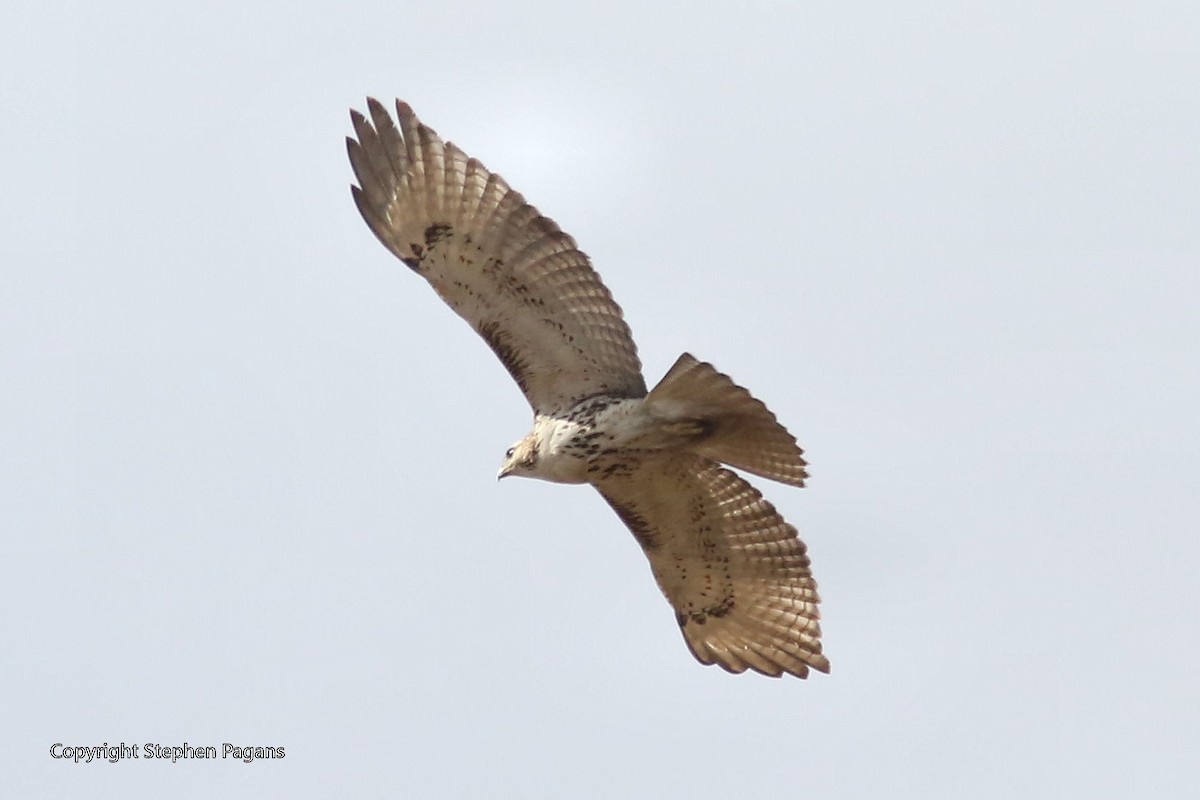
(733, 569)
(520, 282)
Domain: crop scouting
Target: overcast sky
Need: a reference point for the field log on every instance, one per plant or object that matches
(247, 459)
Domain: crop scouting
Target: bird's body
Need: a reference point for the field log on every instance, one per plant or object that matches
(733, 569)
(572, 448)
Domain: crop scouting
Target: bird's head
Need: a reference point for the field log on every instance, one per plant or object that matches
(521, 458)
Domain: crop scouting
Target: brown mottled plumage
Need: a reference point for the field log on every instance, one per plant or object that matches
(732, 568)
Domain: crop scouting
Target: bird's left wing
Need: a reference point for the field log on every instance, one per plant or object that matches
(734, 570)
(521, 283)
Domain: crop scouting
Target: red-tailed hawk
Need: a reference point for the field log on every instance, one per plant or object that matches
(732, 568)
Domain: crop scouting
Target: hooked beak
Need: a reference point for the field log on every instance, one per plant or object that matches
(504, 472)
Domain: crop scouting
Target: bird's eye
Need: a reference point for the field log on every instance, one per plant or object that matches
(509, 452)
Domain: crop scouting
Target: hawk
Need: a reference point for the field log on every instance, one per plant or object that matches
(731, 567)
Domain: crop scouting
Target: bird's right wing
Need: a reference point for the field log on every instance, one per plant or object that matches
(520, 282)
(733, 569)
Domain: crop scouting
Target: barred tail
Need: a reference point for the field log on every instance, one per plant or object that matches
(729, 424)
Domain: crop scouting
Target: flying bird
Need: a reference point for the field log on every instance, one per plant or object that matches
(731, 567)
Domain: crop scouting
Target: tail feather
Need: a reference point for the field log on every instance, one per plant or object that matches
(727, 423)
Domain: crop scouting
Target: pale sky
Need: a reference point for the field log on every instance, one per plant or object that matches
(247, 459)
